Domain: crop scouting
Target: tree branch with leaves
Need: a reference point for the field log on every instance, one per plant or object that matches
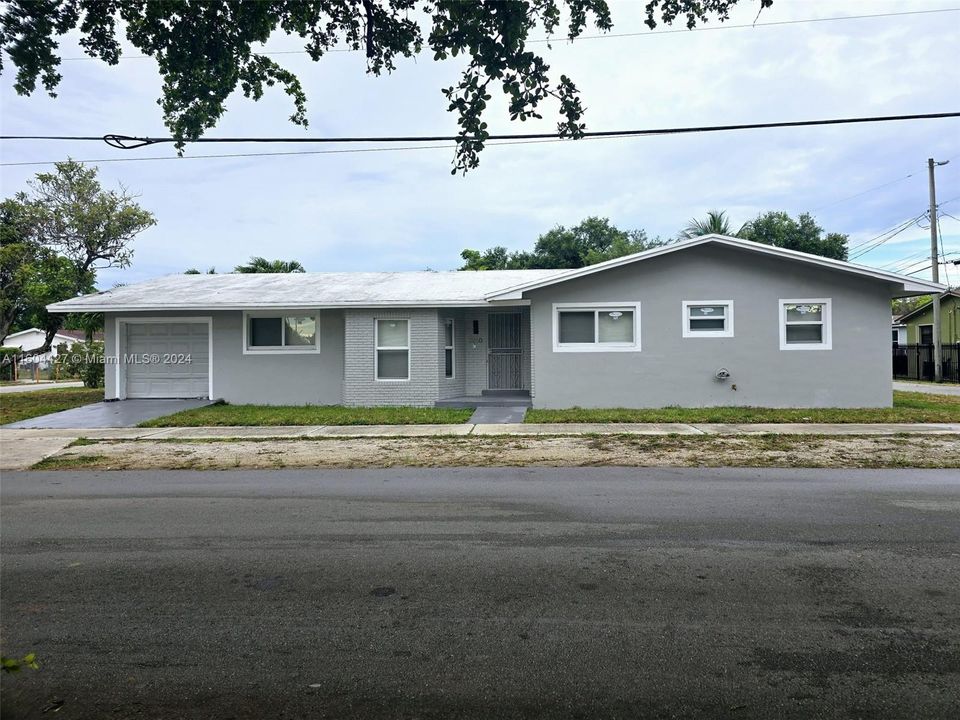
(206, 51)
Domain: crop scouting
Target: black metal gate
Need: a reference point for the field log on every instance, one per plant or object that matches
(505, 351)
(915, 362)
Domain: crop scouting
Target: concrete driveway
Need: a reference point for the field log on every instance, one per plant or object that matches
(118, 414)
(474, 594)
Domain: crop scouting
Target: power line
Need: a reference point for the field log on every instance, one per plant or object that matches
(943, 256)
(608, 36)
(275, 154)
(865, 192)
(870, 190)
(903, 263)
(872, 244)
(129, 142)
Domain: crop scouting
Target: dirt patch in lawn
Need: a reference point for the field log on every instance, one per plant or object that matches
(934, 451)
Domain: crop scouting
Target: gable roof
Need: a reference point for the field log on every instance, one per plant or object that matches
(456, 288)
(926, 306)
(65, 334)
(290, 291)
(911, 286)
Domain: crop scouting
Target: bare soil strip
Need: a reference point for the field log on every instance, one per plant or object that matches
(891, 451)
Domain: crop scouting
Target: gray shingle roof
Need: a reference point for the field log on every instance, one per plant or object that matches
(304, 290)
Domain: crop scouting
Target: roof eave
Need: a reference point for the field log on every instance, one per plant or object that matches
(70, 307)
(911, 286)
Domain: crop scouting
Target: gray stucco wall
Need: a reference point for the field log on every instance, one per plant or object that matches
(275, 379)
(673, 370)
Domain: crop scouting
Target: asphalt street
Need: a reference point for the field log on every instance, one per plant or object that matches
(528, 593)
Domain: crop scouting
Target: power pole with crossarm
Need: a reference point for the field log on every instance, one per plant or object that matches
(935, 269)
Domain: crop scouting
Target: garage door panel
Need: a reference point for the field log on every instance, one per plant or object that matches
(157, 342)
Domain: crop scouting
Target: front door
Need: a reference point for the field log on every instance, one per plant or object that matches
(505, 354)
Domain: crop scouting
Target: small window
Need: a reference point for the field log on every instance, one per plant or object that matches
(596, 328)
(926, 334)
(392, 355)
(805, 325)
(448, 367)
(282, 333)
(707, 318)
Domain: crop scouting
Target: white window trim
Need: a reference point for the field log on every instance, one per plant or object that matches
(280, 349)
(377, 349)
(120, 345)
(596, 346)
(827, 322)
(452, 347)
(727, 315)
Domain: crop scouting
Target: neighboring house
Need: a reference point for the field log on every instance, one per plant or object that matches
(714, 320)
(34, 338)
(916, 326)
(899, 331)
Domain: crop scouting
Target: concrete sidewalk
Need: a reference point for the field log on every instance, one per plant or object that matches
(34, 387)
(928, 388)
(526, 429)
(19, 449)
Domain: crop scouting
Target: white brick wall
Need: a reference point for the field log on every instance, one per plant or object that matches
(427, 382)
(359, 384)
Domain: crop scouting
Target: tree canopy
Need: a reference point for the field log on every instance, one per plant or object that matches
(262, 265)
(206, 51)
(803, 234)
(774, 228)
(55, 237)
(593, 240)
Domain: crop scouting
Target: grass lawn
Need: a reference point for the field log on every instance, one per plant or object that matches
(222, 414)
(21, 406)
(907, 407)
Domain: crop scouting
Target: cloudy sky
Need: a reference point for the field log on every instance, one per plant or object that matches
(403, 210)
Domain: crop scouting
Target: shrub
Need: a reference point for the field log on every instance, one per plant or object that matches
(84, 361)
(7, 358)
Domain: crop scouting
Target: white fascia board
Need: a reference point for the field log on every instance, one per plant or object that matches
(909, 284)
(77, 307)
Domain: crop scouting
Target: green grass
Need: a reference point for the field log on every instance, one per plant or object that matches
(907, 407)
(22, 406)
(238, 415)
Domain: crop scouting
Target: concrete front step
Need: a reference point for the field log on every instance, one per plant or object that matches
(476, 401)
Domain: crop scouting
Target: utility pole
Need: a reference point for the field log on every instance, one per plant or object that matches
(935, 268)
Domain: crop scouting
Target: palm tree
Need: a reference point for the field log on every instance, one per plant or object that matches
(262, 265)
(716, 223)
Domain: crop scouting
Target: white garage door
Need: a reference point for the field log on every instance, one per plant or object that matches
(167, 360)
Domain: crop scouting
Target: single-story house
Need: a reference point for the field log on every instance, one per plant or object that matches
(916, 327)
(34, 338)
(710, 321)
